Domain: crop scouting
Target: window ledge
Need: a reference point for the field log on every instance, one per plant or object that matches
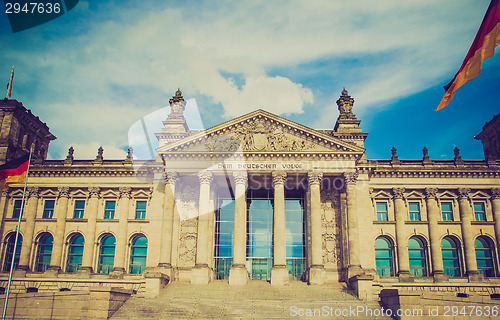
(75, 220)
(416, 222)
(14, 219)
(46, 220)
(138, 220)
(450, 222)
(384, 222)
(107, 220)
(483, 222)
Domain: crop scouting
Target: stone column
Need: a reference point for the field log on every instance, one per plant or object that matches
(167, 222)
(495, 203)
(402, 242)
(201, 272)
(354, 268)
(467, 236)
(279, 272)
(89, 245)
(121, 241)
(61, 213)
(238, 273)
(317, 269)
(434, 236)
(29, 228)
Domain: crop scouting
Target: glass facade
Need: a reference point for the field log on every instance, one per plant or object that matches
(109, 210)
(48, 209)
(418, 257)
(295, 233)
(75, 253)
(484, 257)
(17, 208)
(414, 208)
(138, 255)
(382, 214)
(44, 253)
(140, 209)
(447, 210)
(79, 209)
(479, 211)
(451, 260)
(384, 260)
(106, 254)
(260, 234)
(224, 231)
(9, 251)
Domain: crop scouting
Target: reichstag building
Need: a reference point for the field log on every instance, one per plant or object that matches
(258, 197)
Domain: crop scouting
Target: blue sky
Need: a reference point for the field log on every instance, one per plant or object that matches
(95, 71)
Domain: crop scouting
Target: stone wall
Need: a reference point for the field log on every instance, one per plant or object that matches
(93, 303)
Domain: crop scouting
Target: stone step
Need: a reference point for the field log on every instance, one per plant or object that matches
(256, 300)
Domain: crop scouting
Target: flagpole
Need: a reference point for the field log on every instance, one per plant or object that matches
(17, 237)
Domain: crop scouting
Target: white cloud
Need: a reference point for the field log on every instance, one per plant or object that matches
(103, 79)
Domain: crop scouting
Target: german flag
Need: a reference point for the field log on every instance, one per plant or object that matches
(483, 47)
(13, 172)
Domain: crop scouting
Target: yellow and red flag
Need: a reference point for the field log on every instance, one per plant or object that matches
(483, 47)
(14, 171)
(9, 85)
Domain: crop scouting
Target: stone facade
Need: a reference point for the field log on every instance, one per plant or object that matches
(371, 224)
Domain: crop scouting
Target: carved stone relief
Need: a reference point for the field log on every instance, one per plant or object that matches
(331, 228)
(188, 211)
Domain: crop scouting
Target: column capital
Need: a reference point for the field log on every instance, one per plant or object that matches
(205, 177)
(94, 192)
(63, 192)
(314, 178)
(398, 193)
(495, 193)
(350, 178)
(431, 193)
(240, 177)
(463, 193)
(125, 192)
(171, 177)
(279, 177)
(33, 192)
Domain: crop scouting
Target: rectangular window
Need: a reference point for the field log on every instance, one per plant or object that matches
(479, 211)
(414, 208)
(48, 209)
(382, 211)
(447, 210)
(79, 209)
(17, 208)
(109, 210)
(140, 209)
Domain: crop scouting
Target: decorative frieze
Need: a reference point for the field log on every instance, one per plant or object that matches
(331, 228)
(431, 193)
(63, 192)
(398, 193)
(125, 192)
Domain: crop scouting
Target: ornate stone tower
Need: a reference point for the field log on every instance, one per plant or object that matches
(20, 129)
(347, 125)
(175, 127)
(490, 137)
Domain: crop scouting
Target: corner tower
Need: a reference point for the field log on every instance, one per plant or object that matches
(19, 130)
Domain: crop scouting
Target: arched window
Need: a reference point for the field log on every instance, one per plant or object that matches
(451, 257)
(138, 254)
(418, 257)
(384, 257)
(484, 257)
(75, 253)
(106, 254)
(44, 252)
(9, 250)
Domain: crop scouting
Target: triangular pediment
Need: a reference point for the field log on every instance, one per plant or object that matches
(261, 132)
